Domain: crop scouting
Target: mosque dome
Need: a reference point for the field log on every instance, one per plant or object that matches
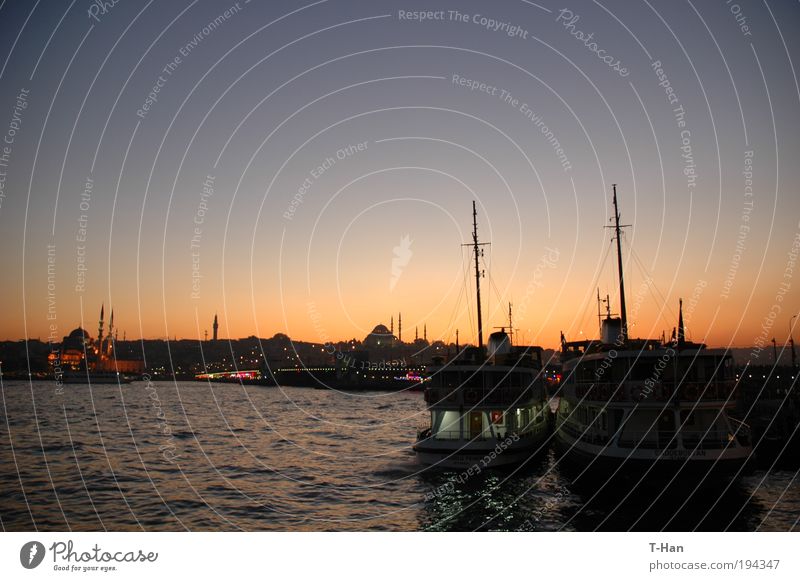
(380, 336)
(76, 340)
(78, 333)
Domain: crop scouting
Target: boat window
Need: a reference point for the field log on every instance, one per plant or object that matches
(472, 379)
(587, 371)
(513, 379)
(643, 369)
(446, 425)
(710, 367)
(520, 419)
(640, 429)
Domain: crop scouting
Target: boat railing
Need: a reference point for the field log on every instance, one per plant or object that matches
(423, 432)
(640, 391)
(458, 435)
(447, 435)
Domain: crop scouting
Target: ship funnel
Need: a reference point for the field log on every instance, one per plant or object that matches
(611, 331)
(499, 343)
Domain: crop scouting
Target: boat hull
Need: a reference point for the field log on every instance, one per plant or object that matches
(677, 468)
(479, 455)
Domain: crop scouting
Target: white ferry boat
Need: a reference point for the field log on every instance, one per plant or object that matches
(635, 407)
(487, 408)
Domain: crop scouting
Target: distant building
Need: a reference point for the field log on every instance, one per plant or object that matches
(80, 352)
(74, 349)
(380, 338)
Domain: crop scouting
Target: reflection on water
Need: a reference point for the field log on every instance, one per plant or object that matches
(223, 457)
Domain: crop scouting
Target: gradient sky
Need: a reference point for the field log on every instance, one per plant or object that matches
(263, 98)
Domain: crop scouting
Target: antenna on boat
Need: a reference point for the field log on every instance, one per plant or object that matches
(475, 246)
(510, 326)
(599, 317)
(623, 312)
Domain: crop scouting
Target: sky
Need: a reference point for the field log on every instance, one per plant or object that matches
(309, 167)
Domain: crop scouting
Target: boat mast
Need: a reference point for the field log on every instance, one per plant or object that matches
(510, 326)
(599, 316)
(623, 312)
(477, 272)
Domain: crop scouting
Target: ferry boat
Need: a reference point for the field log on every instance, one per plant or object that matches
(636, 407)
(95, 378)
(487, 407)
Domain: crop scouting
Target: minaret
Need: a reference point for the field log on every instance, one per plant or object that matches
(216, 326)
(681, 332)
(100, 328)
(416, 334)
(109, 348)
(400, 327)
(425, 332)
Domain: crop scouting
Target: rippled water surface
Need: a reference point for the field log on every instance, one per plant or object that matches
(226, 457)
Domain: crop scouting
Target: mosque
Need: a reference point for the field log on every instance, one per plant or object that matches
(79, 351)
(382, 338)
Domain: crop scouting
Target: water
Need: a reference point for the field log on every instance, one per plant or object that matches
(193, 456)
